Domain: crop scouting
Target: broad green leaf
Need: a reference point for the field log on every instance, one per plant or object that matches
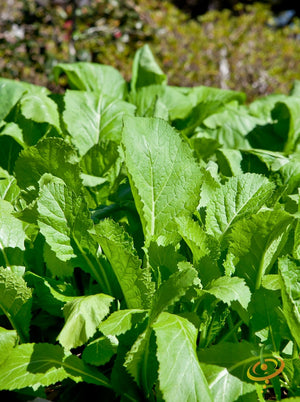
(189, 125)
(118, 247)
(236, 357)
(93, 77)
(60, 269)
(90, 118)
(224, 387)
(101, 167)
(138, 358)
(230, 126)
(176, 103)
(9, 152)
(41, 109)
(200, 243)
(12, 237)
(145, 70)
(256, 242)
(229, 161)
(10, 92)
(287, 114)
(264, 311)
(8, 340)
(163, 261)
(180, 375)
(100, 351)
(51, 295)
(35, 365)
(82, 317)
(9, 189)
(156, 157)
(273, 160)
(240, 197)
(203, 145)
(173, 289)
(289, 272)
(25, 86)
(13, 130)
(121, 321)
(208, 94)
(15, 302)
(263, 107)
(210, 183)
(50, 155)
(63, 218)
(229, 289)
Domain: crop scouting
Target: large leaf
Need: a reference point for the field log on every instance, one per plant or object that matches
(145, 70)
(119, 249)
(91, 118)
(33, 365)
(15, 302)
(255, 244)
(163, 175)
(139, 360)
(180, 375)
(83, 315)
(63, 217)
(93, 77)
(240, 197)
(290, 292)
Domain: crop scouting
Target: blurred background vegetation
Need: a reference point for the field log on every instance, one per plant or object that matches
(252, 47)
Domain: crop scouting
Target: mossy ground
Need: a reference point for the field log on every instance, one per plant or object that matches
(236, 50)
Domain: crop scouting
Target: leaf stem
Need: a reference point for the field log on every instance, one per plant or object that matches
(232, 330)
(101, 279)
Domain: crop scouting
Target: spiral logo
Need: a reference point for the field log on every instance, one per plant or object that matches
(270, 368)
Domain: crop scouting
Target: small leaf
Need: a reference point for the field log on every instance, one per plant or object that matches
(145, 70)
(15, 302)
(8, 340)
(121, 321)
(119, 250)
(100, 351)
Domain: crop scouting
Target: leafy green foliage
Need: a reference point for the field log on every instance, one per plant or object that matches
(151, 230)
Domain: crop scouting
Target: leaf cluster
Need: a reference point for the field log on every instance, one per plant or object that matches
(149, 237)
